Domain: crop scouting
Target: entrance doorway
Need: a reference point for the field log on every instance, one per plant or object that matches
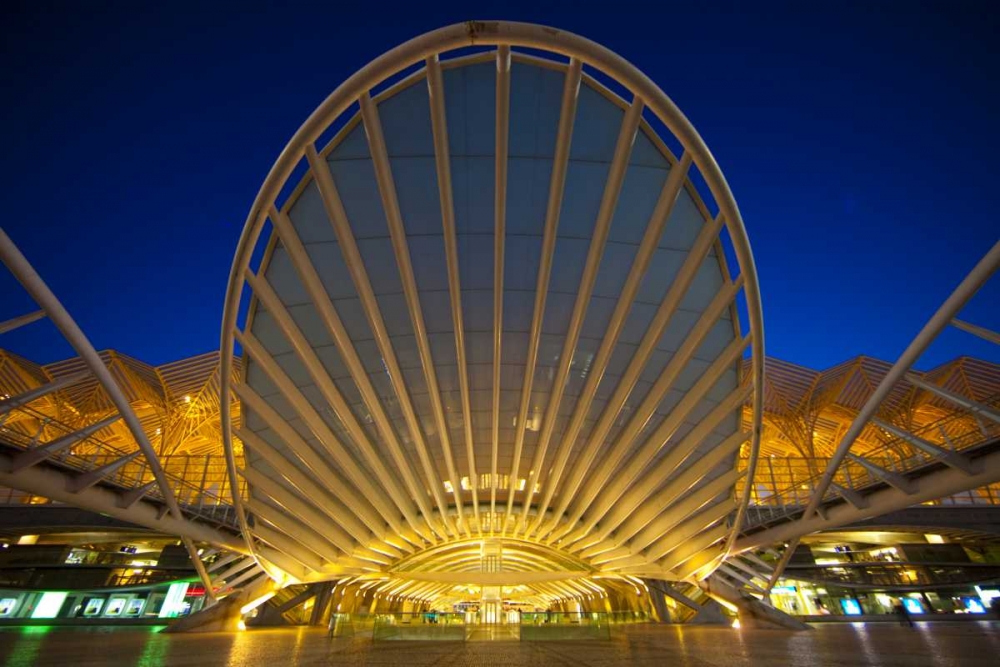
(494, 623)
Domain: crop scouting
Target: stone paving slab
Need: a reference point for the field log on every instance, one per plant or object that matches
(887, 645)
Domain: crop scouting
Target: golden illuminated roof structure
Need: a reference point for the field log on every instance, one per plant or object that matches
(491, 303)
(806, 412)
(177, 403)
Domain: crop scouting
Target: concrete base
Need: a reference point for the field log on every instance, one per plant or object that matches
(224, 615)
(752, 612)
(711, 613)
(658, 600)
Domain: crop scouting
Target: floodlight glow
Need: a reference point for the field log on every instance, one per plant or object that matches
(253, 604)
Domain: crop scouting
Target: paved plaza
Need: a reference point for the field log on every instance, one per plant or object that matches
(938, 644)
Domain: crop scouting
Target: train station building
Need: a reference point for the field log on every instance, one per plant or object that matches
(492, 365)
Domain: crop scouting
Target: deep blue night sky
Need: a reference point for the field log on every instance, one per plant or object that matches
(860, 143)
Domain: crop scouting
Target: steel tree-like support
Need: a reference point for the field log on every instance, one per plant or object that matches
(958, 471)
(67, 326)
(941, 319)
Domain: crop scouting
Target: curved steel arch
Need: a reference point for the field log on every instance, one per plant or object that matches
(428, 47)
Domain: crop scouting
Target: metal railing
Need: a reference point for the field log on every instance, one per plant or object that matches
(783, 486)
(547, 626)
(453, 626)
(419, 626)
(208, 500)
(894, 574)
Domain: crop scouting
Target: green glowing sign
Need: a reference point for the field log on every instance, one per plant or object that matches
(173, 605)
(49, 604)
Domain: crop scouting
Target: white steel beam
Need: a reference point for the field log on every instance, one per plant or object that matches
(628, 487)
(850, 495)
(302, 535)
(274, 556)
(366, 493)
(442, 162)
(499, 237)
(972, 406)
(358, 476)
(647, 248)
(690, 504)
(740, 577)
(602, 227)
(557, 185)
(506, 34)
(36, 455)
(640, 358)
(889, 477)
(243, 564)
(288, 545)
(303, 511)
(132, 496)
(699, 540)
(952, 459)
(937, 484)
(225, 560)
(352, 258)
(320, 376)
(595, 483)
(345, 346)
(20, 321)
(976, 330)
(337, 500)
(92, 477)
(628, 517)
(397, 233)
(700, 565)
(782, 563)
(307, 536)
(51, 483)
(67, 326)
(251, 572)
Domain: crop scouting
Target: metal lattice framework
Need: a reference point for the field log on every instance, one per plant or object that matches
(957, 453)
(806, 412)
(494, 305)
(176, 403)
(53, 460)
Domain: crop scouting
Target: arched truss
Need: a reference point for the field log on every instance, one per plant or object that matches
(493, 305)
(69, 462)
(938, 459)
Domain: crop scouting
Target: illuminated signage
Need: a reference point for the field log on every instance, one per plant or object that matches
(851, 607)
(974, 606)
(174, 604)
(7, 606)
(913, 606)
(49, 604)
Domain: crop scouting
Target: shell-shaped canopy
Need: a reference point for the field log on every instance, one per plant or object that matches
(494, 307)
